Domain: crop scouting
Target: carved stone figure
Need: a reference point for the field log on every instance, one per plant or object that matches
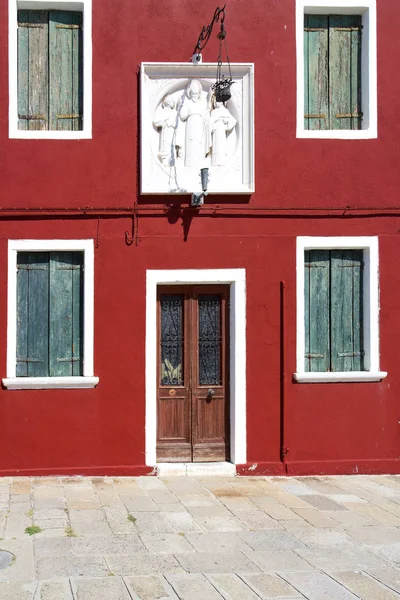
(195, 114)
(165, 119)
(221, 124)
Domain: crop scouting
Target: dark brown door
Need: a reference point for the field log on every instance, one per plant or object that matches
(193, 379)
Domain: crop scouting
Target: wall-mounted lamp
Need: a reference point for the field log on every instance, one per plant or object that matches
(198, 198)
(222, 85)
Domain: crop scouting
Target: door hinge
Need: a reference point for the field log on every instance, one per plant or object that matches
(315, 116)
(77, 116)
(349, 115)
(67, 26)
(32, 117)
(352, 28)
(31, 25)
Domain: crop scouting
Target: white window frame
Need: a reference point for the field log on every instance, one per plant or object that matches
(84, 6)
(367, 9)
(370, 247)
(87, 380)
(236, 279)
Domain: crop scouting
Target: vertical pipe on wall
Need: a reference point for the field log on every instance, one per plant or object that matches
(283, 449)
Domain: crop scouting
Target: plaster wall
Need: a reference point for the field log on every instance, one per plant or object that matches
(329, 427)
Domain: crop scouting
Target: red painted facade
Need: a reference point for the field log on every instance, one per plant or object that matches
(304, 187)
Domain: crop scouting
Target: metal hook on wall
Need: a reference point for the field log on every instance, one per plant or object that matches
(133, 235)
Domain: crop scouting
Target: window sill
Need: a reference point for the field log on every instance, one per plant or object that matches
(49, 383)
(20, 134)
(348, 377)
(338, 134)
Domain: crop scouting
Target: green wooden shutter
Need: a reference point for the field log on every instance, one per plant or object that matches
(49, 314)
(22, 314)
(347, 310)
(332, 71)
(65, 314)
(316, 72)
(317, 309)
(32, 314)
(345, 71)
(50, 70)
(66, 70)
(33, 88)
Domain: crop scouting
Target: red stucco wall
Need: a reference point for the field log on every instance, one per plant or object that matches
(329, 427)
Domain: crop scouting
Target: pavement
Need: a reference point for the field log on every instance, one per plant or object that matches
(191, 538)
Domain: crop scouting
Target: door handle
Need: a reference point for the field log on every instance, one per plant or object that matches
(210, 393)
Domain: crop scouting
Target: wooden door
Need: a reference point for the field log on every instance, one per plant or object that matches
(193, 379)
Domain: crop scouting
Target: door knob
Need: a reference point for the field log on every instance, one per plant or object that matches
(210, 393)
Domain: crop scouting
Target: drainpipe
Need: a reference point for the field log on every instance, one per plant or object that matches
(284, 449)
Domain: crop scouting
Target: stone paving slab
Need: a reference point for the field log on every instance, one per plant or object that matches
(269, 586)
(142, 564)
(278, 560)
(17, 591)
(110, 588)
(54, 590)
(232, 587)
(178, 538)
(318, 586)
(193, 587)
(364, 586)
(69, 566)
(150, 587)
(216, 562)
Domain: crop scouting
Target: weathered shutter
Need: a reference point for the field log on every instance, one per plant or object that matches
(317, 302)
(345, 71)
(316, 72)
(66, 70)
(65, 352)
(22, 313)
(347, 310)
(32, 314)
(33, 96)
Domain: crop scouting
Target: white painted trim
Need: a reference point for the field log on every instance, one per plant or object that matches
(370, 246)
(47, 383)
(86, 7)
(237, 280)
(354, 376)
(366, 8)
(85, 246)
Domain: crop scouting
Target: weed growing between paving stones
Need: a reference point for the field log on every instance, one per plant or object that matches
(33, 529)
(131, 518)
(69, 532)
(30, 513)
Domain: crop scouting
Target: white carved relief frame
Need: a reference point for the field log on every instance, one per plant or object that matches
(183, 129)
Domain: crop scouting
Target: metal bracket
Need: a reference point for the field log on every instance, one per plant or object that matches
(198, 199)
(355, 28)
(68, 26)
(31, 25)
(32, 117)
(349, 116)
(205, 33)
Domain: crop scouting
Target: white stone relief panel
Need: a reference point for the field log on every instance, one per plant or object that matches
(184, 129)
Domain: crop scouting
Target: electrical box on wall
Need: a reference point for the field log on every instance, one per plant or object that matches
(185, 129)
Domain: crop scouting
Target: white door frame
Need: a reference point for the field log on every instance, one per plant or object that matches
(236, 278)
